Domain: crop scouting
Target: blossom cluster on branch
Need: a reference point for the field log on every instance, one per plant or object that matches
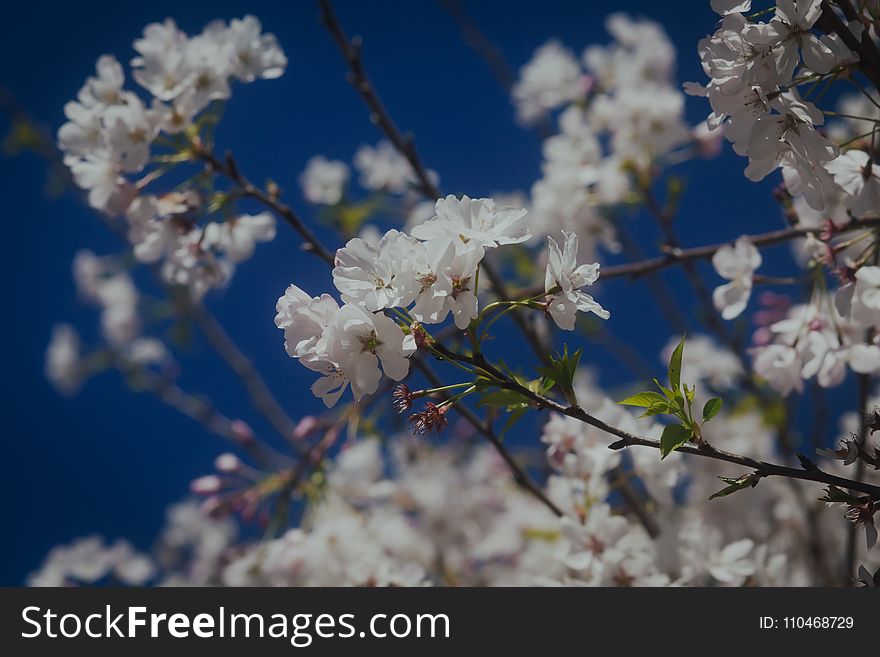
(422, 280)
(111, 134)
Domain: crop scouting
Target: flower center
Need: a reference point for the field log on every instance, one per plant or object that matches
(426, 280)
(369, 342)
(459, 285)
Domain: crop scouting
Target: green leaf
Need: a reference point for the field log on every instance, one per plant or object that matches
(675, 365)
(562, 371)
(644, 399)
(660, 408)
(835, 495)
(735, 484)
(500, 399)
(711, 408)
(512, 419)
(674, 436)
(670, 395)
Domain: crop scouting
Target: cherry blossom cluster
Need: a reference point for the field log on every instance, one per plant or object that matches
(421, 279)
(622, 117)
(391, 189)
(103, 282)
(394, 511)
(112, 132)
(418, 514)
(761, 76)
(757, 72)
(381, 167)
(814, 340)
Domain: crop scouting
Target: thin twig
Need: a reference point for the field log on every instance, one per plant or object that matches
(405, 145)
(351, 50)
(519, 474)
(229, 169)
(763, 468)
(864, 388)
(677, 256)
(198, 408)
(244, 368)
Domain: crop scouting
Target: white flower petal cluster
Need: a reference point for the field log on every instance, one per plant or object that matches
(164, 230)
(110, 130)
(621, 114)
(88, 560)
(323, 181)
(476, 222)
(736, 263)
(755, 69)
(567, 278)
(859, 177)
(417, 514)
(104, 283)
(383, 168)
(822, 339)
(552, 78)
(62, 367)
(431, 274)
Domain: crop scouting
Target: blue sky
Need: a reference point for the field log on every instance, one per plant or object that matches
(109, 461)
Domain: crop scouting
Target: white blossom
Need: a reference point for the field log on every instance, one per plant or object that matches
(323, 181)
(737, 264)
(237, 238)
(551, 78)
(63, 359)
(383, 168)
(855, 172)
(564, 273)
(474, 220)
(379, 277)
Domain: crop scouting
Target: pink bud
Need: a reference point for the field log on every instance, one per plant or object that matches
(305, 427)
(762, 337)
(242, 432)
(587, 83)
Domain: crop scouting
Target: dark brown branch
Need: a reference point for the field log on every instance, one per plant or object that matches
(242, 366)
(677, 256)
(864, 388)
(351, 50)
(627, 439)
(405, 145)
(197, 408)
(519, 474)
(229, 169)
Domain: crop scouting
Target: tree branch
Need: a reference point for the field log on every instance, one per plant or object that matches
(627, 439)
(259, 391)
(678, 256)
(351, 51)
(197, 408)
(520, 476)
(229, 169)
(405, 145)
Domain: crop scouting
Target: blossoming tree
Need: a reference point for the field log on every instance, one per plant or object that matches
(699, 480)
